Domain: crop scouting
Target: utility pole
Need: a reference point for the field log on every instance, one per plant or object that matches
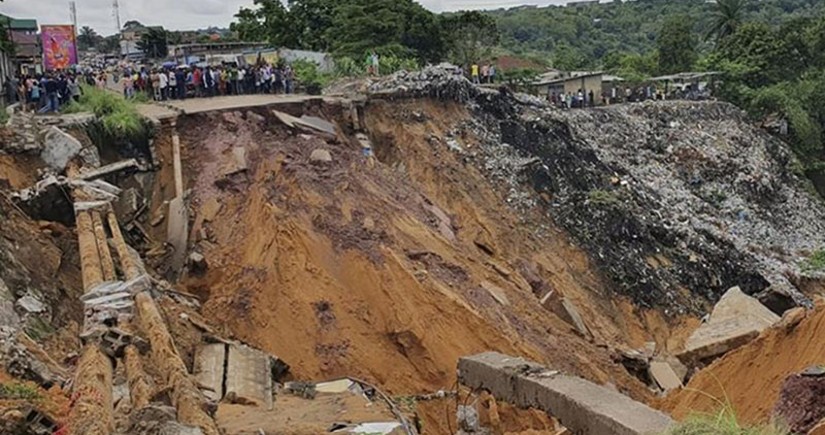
(116, 14)
(73, 14)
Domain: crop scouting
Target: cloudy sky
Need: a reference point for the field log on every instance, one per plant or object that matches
(186, 14)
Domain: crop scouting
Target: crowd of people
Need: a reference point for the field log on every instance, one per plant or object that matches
(580, 99)
(482, 74)
(184, 82)
(44, 93)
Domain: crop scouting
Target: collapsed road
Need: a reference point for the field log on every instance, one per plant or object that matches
(372, 240)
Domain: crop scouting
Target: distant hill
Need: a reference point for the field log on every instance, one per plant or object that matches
(594, 30)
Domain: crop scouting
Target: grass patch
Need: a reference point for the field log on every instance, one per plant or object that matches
(18, 391)
(815, 263)
(118, 116)
(602, 197)
(723, 422)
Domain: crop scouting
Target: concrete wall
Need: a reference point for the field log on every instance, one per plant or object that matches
(581, 406)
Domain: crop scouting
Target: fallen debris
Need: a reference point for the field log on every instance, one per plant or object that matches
(736, 319)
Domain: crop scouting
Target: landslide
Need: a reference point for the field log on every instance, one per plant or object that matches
(750, 378)
(387, 270)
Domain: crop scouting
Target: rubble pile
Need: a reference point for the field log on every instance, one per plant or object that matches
(26, 133)
(434, 82)
(669, 198)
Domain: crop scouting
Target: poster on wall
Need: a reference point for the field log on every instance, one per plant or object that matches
(59, 48)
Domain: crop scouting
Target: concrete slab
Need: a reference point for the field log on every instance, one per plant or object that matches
(59, 148)
(663, 374)
(209, 369)
(580, 405)
(736, 320)
(334, 387)
(249, 375)
(496, 292)
(177, 231)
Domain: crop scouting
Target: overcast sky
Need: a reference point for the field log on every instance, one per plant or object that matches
(186, 14)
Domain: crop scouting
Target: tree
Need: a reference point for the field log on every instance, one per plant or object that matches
(676, 45)
(87, 38)
(110, 44)
(727, 17)
(153, 43)
(469, 36)
(269, 21)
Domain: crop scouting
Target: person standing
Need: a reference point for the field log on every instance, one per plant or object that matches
(241, 78)
(474, 73)
(289, 79)
(279, 80)
(35, 95)
(376, 64)
(173, 85)
(74, 89)
(492, 73)
(485, 73)
(591, 98)
(128, 86)
(163, 81)
(51, 89)
(180, 81)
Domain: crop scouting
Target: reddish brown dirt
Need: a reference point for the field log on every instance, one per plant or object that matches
(18, 171)
(750, 378)
(341, 269)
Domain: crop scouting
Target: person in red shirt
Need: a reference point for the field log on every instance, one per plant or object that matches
(197, 78)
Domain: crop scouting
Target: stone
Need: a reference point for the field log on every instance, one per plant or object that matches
(566, 310)
(209, 369)
(792, 317)
(237, 162)
(90, 157)
(177, 233)
(8, 317)
(30, 304)
(446, 231)
(249, 375)
(128, 204)
(197, 262)
(736, 320)
(334, 387)
(496, 292)
(59, 148)
(664, 376)
(580, 405)
(320, 155)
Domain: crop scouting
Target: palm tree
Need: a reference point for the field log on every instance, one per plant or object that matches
(87, 38)
(726, 19)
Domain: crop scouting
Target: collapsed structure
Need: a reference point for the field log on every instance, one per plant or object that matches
(376, 239)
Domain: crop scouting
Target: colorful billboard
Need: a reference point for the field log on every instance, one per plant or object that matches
(59, 48)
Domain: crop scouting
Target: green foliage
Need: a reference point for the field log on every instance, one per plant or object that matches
(472, 36)
(18, 391)
(722, 423)
(308, 75)
(676, 45)
(634, 68)
(87, 38)
(119, 117)
(391, 64)
(727, 17)
(816, 262)
(346, 66)
(154, 42)
(351, 28)
(594, 31)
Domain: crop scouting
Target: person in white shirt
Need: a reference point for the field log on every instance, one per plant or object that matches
(173, 85)
(241, 78)
(164, 85)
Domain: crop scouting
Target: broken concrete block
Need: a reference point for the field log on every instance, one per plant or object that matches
(209, 369)
(237, 162)
(337, 386)
(580, 405)
(664, 376)
(8, 317)
(496, 292)
(30, 304)
(320, 156)
(59, 148)
(177, 231)
(128, 204)
(736, 320)
(249, 375)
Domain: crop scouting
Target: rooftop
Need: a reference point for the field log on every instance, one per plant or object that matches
(18, 23)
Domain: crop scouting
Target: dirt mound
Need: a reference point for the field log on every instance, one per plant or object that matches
(352, 268)
(802, 400)
(750, 378)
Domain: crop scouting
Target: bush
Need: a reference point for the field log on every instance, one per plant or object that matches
(308, 75)
(722, 423)
(17, 391)
(118, 116)
(816, 262)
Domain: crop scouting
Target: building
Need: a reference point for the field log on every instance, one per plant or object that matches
(28, 53)
(570, 83)
(130, 36)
